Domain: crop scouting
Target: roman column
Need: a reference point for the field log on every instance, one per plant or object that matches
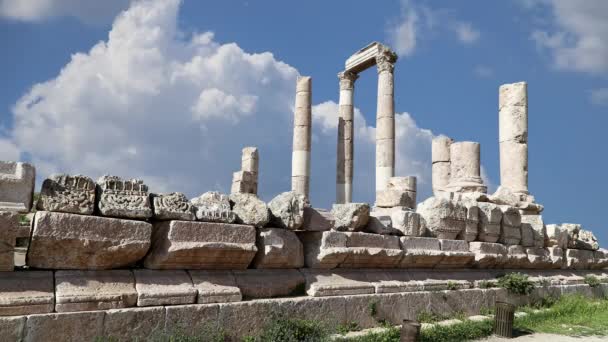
(385, 119)
(345, 152)
(513, 136)
(441, 163)
(300, 158)
(465, 169)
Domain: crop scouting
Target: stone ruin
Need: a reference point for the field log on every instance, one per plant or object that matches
(110, 258)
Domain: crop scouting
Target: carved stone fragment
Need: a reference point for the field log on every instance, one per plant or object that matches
(117, 197)
(287, 210)
(173, 206)
(68, 194)
(213, 206)
(350, 216)
(249, 209)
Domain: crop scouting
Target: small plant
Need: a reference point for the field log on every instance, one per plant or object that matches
(592, 280)
(485, 311)
(293, 330)
(373, 308)
(516, 283)
(452, 285)
(427, 317)
(342, 329)
(485, 284)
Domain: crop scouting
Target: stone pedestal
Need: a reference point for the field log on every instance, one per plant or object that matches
(441, 163)
(345, 152)
(300, 160)
(513, 136)
(385, 120)
(465, 175)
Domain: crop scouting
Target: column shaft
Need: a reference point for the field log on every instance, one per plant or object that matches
(513, 136)
(385, 121)
(345, 151)
(300, 161)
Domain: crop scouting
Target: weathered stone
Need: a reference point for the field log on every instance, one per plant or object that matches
(350, 216)
(287, 210)
(556, 254)
(389, 198)
(404, 221)
(12, 328)
(579, 238)
(269, 283)
(488, 254)
(9, 227)
(600, 259)
(24, 293)
(166, 287)
(443, 218)
(173, 206)
(244, 182)
(68, 194)
(471, 229)
(249, 209)
(420, 252)
(557, 237)
(200, 245)
(579, 259)
(123, 198)
(278, 248)
(195, 319)
(64, 327)
(70, 241)
(94, 290)
(539, 258)
(457, 254)
(213, 206)
(133, 324)
(465, 171)
(380, 224)
(510, 227)
(527, 235)
(490, 217)
(317, 219)
(536, 225)
(16, 186)
(336, 283)
(516, 257)
(215, 286)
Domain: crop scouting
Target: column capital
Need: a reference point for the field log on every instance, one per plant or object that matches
(347, 79)
(385, 61)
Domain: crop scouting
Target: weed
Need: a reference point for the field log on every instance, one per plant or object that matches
(592, 280)
(427, 317)
(484, 284)
(347, 327)
(516, 283)
(293, 330)
(452, 285)
(373, 308)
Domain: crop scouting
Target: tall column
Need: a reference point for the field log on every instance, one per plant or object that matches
(300, 158)
(513, 136)
(465, 168)
(345, 152)
(385, 120)
(441, 163)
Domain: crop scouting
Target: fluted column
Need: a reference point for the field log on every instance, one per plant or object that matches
(513, 136)
(300, 158)
(385, 120)
(345, 152)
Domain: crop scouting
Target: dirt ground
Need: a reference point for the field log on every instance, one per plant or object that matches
(547, 337)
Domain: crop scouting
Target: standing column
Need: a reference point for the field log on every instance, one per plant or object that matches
(300, 158)
(385, 120)
(441, 163)
(345, 152)
(465, 168)
(513, 136)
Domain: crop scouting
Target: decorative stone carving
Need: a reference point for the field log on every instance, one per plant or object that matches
(213, 206)
(68, 194)
(123, 198)
(278, 248)
(16, 186)
(443, 218)
(287, 210)
(510, 233)
(350, 216)
(249, 209)
(173, 206)
(490, 217)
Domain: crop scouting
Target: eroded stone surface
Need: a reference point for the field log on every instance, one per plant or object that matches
(516, 257)
(278, 248)
(420, 252)
(16, 186)
(539, 258)
(600, 259)
(65, 327)
(69, 194)
(287, 210)
(269, 283)
(490, 217)
(556, 236)
(579, 238)
(488, 254)
(249, 209)
(11, 328)
(443, 218)
(70, 241)
(317, 219)
(24, 293)
(215, 286)
(510, 230)
(213, 206)
(117, 197)
(536, 225)
(166, 287)
(471, 229)
(389, 198)
(579, 259)
(350, 216)
(134, 324)
(336, 283)
(457, 254)
(404, 221)
(556, 254)
(9, 229)
(173, 206)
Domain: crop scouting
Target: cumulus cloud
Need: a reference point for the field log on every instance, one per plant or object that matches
(90, 12)
(465, 32)
(599, 96)
(403, 34)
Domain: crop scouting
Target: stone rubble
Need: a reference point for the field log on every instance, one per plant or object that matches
(316, 219)
(287, 210)
(249, 209)
(351, 217)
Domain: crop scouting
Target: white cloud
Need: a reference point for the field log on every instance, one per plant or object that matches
(465, 32)
(577, 37)
(88, 11)
(403, 35)
(483, 71)
(599, 96)
(8, 150)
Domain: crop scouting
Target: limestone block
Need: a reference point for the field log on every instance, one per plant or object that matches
(514, 166)
(388, 198)
(16, 186)
(249, 210)
(465, 168)
(441, 149)
(539, 258)
(215, 286)
(510, 227)
(527, 235)
(516, 257)
(9, 227)
(166, 287)
(420, 252)
(600, 259)
(556, 254)
(457, 254)
(24, 293)
(488, 254)
(579, 238)
(123, 198)
(133, 324)
(287, 210)
(70, 241)
(380, 224)
(94, 290)
(536, 224)
(407, 183)
(244, 182)
(68, 194)
(404, 221)
(12, 328)
(579, 259)
(201, 245)
(557, 237)
(213, 206)
(317, 219)
(269, 283)
(173, 206)
(65, 327)
(278, 248)
(250, 159)
(490, 217)
(321, 283)
(443, 218)
(350, 216)
(471, 229)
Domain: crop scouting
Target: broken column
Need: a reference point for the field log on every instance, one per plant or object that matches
(441, 163)
(465, 172)
(385, 119)
(345, 153)
(300, 160)
(513, 136)
(246, 180)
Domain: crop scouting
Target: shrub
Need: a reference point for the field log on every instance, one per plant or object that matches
(592, 280)
(485, 284)
(373, 308)
(516, 283)
(347, 327)
(293, 330)
(427, 317)
(452, 285)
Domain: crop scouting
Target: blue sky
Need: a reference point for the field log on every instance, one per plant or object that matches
(171, 91)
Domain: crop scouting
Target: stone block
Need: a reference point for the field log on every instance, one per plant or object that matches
(213, 206)
(16, 186)
(321, 283)
(380, 224)
(535, 225)
(68, 194)
(488, 254)
(539, 258)
(471, 229)
(166, 287)
(579, 259)
(516, 257)
(287, 210)
(510, 227)
(317, 219)
(173, 206)
(134, 324)
(94, 290)
(249, 209)
(24, 293)
(457, 254)
(556, 255)
(117, 197)
(269, 283)
(443, 218)
(527, 235)
(244, 182)
(65, 327)
(579, 238)
(70, 241)
(201, 245)
(490, 217)
(12, 328)
(388, 198)
(194, 319)
(215, 286)
(392, 308)
(404, 221)
(556, 236)
(420, 252)
(9, 229)
(600, 259)
(350, 216)
(278, 248)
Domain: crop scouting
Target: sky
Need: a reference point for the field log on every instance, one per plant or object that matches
(170, 91)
